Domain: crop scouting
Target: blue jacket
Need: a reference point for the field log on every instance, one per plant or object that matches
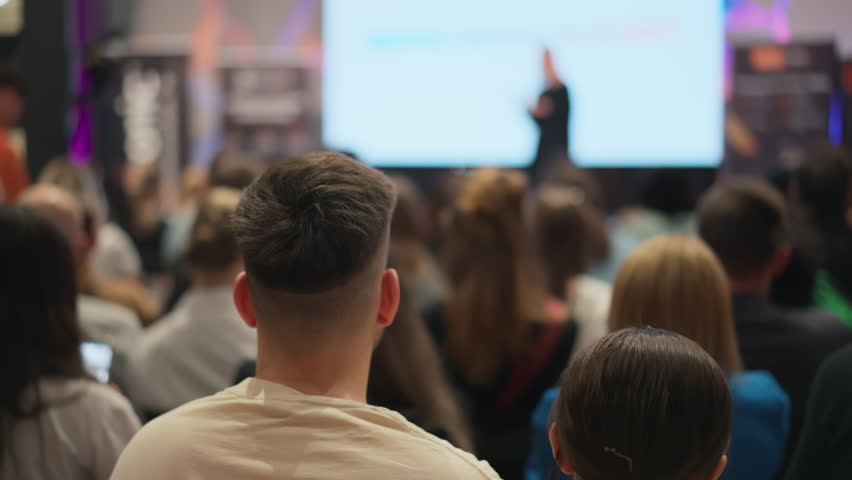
(761, 426)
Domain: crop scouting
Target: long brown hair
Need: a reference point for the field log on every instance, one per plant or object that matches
(494, 294)
(570, 234)
(406, 365)
(676, 283)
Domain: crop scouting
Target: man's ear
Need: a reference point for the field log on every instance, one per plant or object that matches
(558, 457)
(780, 260)
(720, 467)
(389, 302)
(242, 300)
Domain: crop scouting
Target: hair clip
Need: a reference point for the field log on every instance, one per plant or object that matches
(622, 456)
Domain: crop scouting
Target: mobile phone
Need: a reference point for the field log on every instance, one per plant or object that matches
(97, 360)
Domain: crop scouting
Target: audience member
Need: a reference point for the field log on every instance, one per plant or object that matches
(313, 232)
(744, 222)
(569, 233)
(406, 375)
(55, 422)
(676, 283)
(13, 172)
(826, 443)
(642, 404)
(110, 268)
(228, 170)
(414, 260)
(113, 257)
(822, 189)
(100, 320)
(503, 351)
(196, 349)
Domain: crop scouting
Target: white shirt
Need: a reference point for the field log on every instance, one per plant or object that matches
(590, 301)
(115, 255)
(261, 430)
(79, 436)
(190, 353)
(107, 322)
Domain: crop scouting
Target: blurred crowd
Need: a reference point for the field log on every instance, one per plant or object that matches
(709, 334)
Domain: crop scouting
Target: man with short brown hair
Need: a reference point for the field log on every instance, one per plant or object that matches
(745, 223)
(314, 234)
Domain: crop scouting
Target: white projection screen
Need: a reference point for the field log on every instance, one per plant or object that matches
(448, 83)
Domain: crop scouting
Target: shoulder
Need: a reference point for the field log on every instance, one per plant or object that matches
(169, 438)
(90, 400)
(545, 406)
(92, 307)
(447, 460)
(113, 234)
(835, 372)
(758, 390)
(819, 325)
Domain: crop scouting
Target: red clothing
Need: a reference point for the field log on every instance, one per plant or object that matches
(13, 175)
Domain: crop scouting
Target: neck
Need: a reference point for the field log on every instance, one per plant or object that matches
(758, 284)
(337, 369)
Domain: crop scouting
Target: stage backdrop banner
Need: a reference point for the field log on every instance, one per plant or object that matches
(780, 106)
(266, 110)
(153, 109)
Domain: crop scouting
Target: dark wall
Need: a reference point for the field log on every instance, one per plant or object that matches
(43, 61)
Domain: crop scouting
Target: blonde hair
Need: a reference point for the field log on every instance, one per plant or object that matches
(494, 291)
(676, 283)
(212, 245)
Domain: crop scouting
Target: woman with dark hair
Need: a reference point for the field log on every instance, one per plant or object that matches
(642, 404)
(55, 422)
(502, 347)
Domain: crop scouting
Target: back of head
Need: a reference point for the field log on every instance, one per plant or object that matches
(570, 176)
(39, 335)
(233, 170)
(569, 233)
(676, 283)
(493, 294)
(744, 222)
(313, 232)
(58, 205)
(212, 246)
(642, 404)
(824, 184)
(79, 182)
